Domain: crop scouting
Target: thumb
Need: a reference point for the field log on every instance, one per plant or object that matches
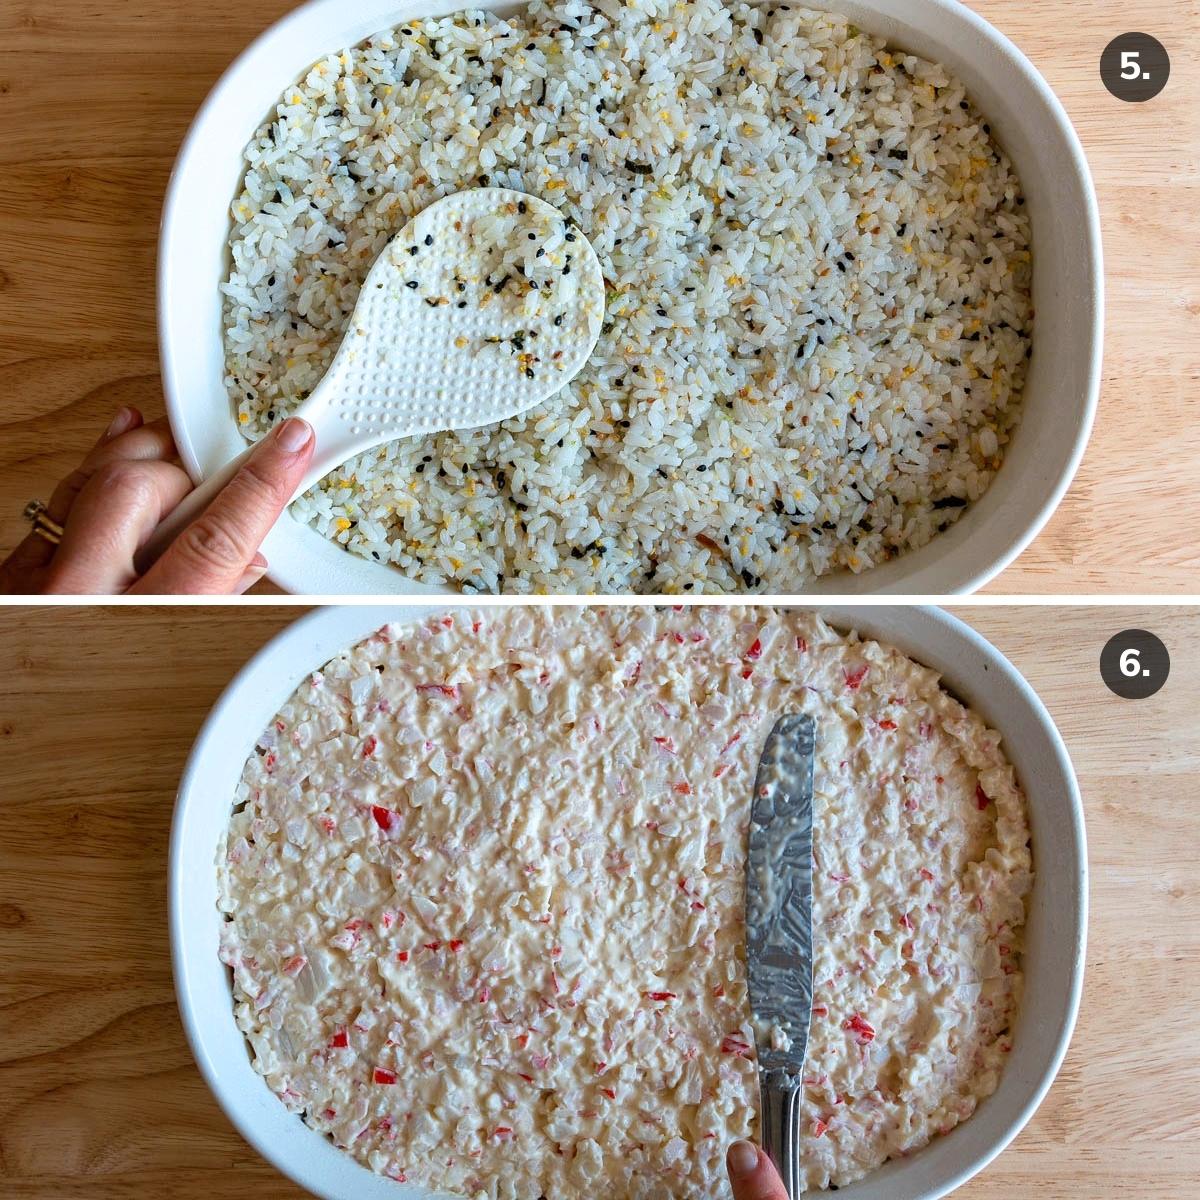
(752, 1174)
(213, 553)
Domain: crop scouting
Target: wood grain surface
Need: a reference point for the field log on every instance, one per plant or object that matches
(99, 1098)
(95, 98)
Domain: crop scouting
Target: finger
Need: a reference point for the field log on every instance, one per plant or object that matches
(253, 573)
(126, 421)
(212, 554)
(33, 553)
(116, 511)
(133, 442)
(752, 1175)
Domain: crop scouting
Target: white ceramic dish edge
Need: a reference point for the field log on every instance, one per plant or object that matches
(1068, 288)
(1057, 926)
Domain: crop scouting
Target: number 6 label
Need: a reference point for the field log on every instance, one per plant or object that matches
(1130, 662)
(1134, 664)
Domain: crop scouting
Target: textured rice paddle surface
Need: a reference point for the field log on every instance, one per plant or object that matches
(818, 310)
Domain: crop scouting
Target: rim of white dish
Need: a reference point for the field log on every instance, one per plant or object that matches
(315, 632)
(1079, 164)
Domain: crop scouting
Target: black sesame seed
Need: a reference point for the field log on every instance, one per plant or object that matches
(429, 239)
(412, 283)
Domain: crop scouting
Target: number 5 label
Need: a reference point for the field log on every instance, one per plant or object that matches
(1135, 67)
(1129, 65)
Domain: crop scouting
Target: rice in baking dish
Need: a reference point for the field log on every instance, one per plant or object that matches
(484, 889)
(818, 308)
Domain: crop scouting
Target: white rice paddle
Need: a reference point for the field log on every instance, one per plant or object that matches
(460, 322)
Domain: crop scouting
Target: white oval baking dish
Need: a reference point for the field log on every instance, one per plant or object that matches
(1064, 379)
(972, 668)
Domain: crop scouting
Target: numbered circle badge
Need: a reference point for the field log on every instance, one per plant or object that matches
(1135, 67)
(1134, 664)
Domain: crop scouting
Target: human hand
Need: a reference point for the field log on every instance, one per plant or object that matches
(752, 1175)
(130, 480)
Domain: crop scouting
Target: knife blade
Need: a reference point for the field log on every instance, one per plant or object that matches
(779, 931)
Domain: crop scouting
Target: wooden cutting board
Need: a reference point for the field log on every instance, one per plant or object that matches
(95, 98)
(100, 1100)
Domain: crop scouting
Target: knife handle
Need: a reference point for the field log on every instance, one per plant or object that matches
(781, 1126)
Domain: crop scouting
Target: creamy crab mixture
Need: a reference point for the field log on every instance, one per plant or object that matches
(485, 899)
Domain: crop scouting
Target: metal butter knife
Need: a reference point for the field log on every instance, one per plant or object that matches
(779, 932)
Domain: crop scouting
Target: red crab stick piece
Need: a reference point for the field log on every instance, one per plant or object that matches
(863, 1031)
